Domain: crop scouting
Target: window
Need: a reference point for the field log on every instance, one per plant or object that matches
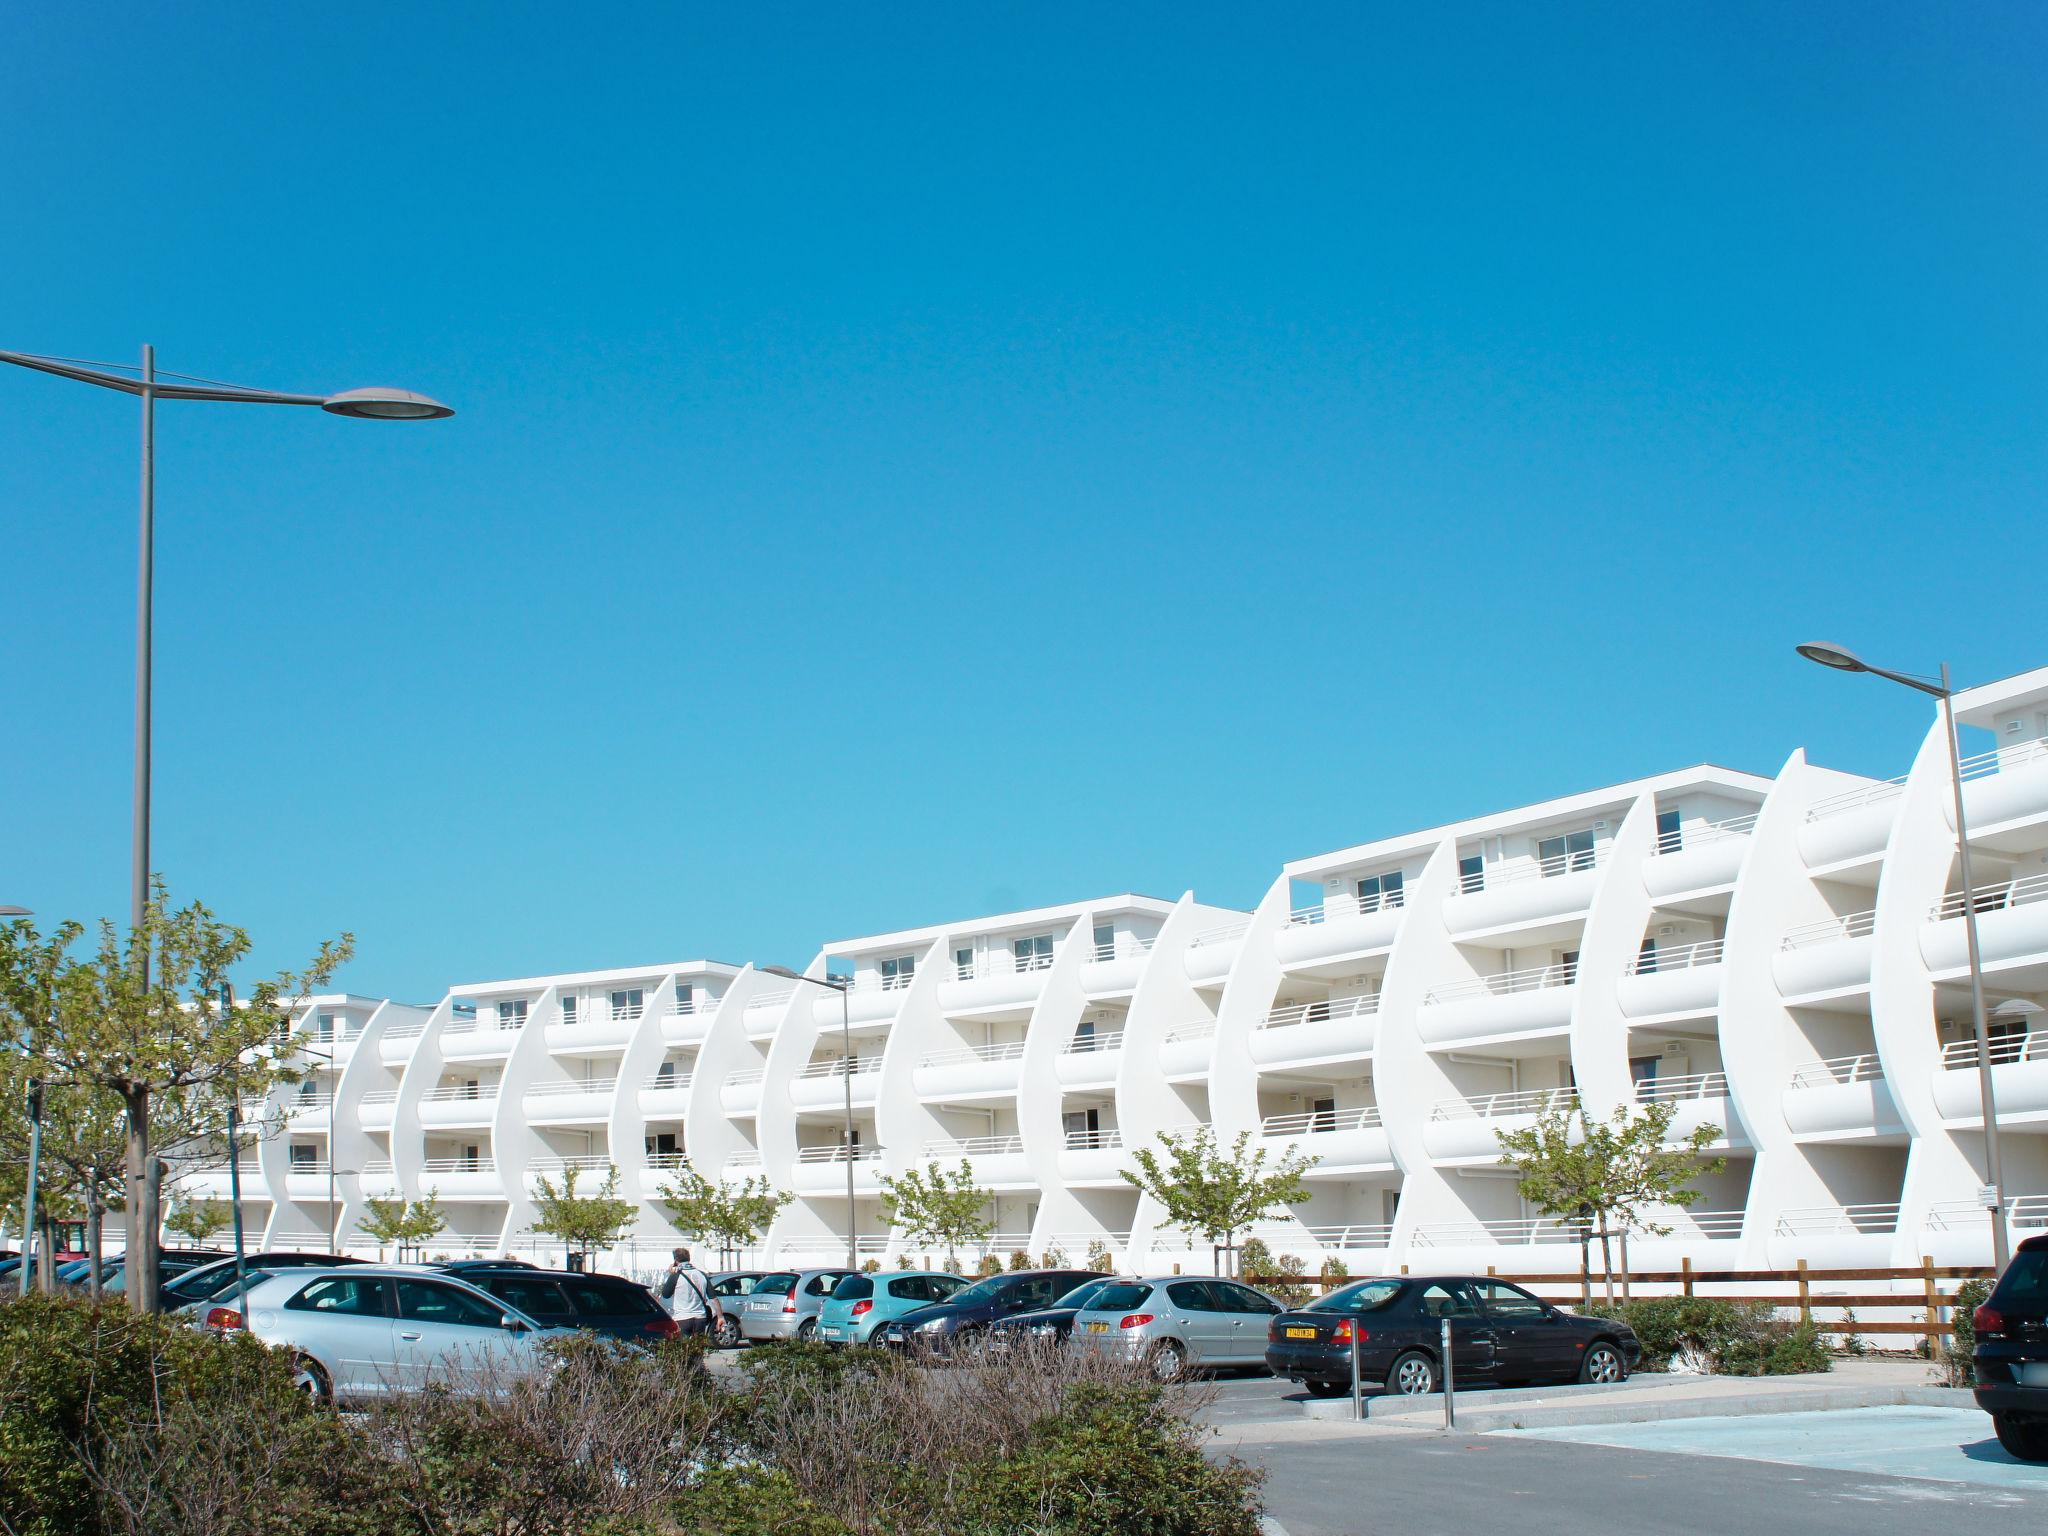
(424, 1301)
(1322, 1114)
(304, 1154)
(1669, 838)
(472, 1155)
(344, 1296)
(1444, 1299)
(1241, 1298)
(1378, 892)
(1120, 1298)
(1472, 872)
(665, 1074)
(1084, 1035)
(822, 1285)
(897, 971)
(1646, 957)
(569, 1001)
(593, 1298)
(512, 1014)
(1563, 854)
(330, 1025)
(963, 962)
(1510, 1302)
(860, 1288)
(627, 1003)
(1035, 1292)
(663, 1144)
(1105, 941)
(1190, 1296)
(1363, 1297)
(536, 1298)
(1568, 965)
(1034, 953)
(1642, 1070)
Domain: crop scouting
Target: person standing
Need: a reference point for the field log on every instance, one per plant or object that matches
(687, 1290)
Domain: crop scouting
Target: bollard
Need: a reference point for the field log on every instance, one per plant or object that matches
(1357, 1392)
(1450, 1409)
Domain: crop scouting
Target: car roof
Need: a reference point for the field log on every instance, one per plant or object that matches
(528, 1272)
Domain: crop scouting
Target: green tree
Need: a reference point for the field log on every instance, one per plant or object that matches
(394, 1221)
(84, 1144)
(729, 1217)
(938, 1207)
(584, 1222)
(1209, 1192)
(197, 1220)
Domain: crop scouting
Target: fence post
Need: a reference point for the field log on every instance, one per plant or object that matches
(1491, 1270)
(1805, 1295)
(1934, 1339)
(1685, 1273)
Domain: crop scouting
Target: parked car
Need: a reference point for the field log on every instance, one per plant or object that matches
(114, 1271)
(966, 1315)
(1178, 1323)
(367, 1330)
(464, 1266)
(227, 1299)
(786, 1304)
(210, 1279)
(729, 1288)
(860, 1304)
(2012, 1353)
(611, 1305)
(1500, 1334)
(1055, 1322)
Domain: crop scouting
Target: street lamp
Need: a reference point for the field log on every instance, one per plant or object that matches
(35, 1148)
(839, 984)
(379, 404)
(1844, 660)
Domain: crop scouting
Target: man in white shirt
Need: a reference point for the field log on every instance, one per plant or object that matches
(687, 1290)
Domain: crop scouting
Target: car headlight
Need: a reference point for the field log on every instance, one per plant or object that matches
(934, 1325)
(1043, 1330)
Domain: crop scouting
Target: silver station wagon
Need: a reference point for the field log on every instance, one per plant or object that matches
(1177, 1323)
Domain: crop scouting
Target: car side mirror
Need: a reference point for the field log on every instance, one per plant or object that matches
(511, 1325)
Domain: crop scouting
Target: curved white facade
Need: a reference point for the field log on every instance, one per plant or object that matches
(1782, 957)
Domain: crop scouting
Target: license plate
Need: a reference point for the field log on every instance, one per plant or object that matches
(1096, 1327)
(760, 1306)
(2034, 1373)
(1301, 1333)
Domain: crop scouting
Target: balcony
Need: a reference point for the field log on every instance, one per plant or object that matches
(1698, 858)
(740, 1093)
(2019, 1079)
(573, 1103)
(1697, 1100)
(307, 1178)
(1830, 956)
(2012, 928)
(467, 1038)
(379, 1178)
(1681, 981)
(970, 1072)
(993, 1159)
(1851, 827)
(1535, 1001)
(306, 1111)
(461, 1178)
(1342, 1140)
(996, 984)
(1499, 1232)
(1468, 1128)
(1090, 1061)
(1094, 1157)
(375, 1111)
(597, 1030)
(1186, 1049)
(1211, 953)
(461, 1108)
(1339, 928)
(1111, 970)
(1308, 1034)
(396, 1045)
(1522, 895)
(667, 1162)
(554, 1165)
(2004, 788)
(665, 1097)
(826, 1084)
(1328, 1238)
(822, 1170)
(688, 1023)
(1840, 1098)
(1824, 1235)
(741, 1164)
(872, 999)
(764, 1010)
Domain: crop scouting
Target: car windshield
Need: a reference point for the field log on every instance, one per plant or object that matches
(853, 1288)
(1083, 1295)
(781, 1284)
(1118, 1295)
(2025, 1286)
(1363, 1297)
(207, 1280)
(981, 1290)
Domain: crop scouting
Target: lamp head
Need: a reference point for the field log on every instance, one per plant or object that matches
(1839, 657)
(382, 404)
(15, 912)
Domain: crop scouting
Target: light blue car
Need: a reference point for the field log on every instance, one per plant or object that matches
(860, 1304)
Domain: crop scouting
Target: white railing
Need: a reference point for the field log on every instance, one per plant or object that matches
(1315, 1121)
(483, 1093)
(628, 1013)
(589, 1162)
(1340, 905)
(1372, 1234)
(1535, 978)
(377, 1167)
(667, 1161)
(967, 1055)
(605, 1085)
(746, 1076)
(842, 1066)
(1839, 1220)
(1094, 1141)
(866, 1245)
(837, 1154)
(1665, 1090)
(1865, 1068)
(1201, 1029)
(972, 1146)
(1679, 957)
(317, 1165)
(1992, 898)
(1095, 1043)
(1473, 1234)
(1705, 832)
(2004, 759)
(742, 1160)
(1489, 1106)
(294, 1102)
(2028, 1211)
(695, 1005)
(998, 962)
(405, 1031)
(1545, 869)
(771, 999)
(1221, 934)
(875, 981)
(1829, 930)
(380, 1096)
(678, 1082)
(1855, 799)
(1120, 948)
(1961, 1055)
(1322, 1011)
(460, 1165)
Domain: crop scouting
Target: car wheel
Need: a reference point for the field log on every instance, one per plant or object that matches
(1602, 1365)
(1413, 1374)
(727, 1334)
(1167, 1362)
(1328, 1388)
(2024, 1438)
(310, 1379)
(807, 1330)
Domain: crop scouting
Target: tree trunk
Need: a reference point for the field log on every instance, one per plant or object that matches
(1585, 1267)
(1624, 1263)
(46, 1265)
(145, 1195)
(1606, 1260)
(95, 1235)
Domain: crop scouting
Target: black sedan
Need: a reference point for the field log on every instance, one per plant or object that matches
(2012, 1353)
(944, 1325)
(1053, 1322)
(1500, 1336)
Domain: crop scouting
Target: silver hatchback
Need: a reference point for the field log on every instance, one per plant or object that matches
(1177, 1323)
(786, 1304)
(365, 1330)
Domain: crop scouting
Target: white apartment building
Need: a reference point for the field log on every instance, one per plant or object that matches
(1782, 957)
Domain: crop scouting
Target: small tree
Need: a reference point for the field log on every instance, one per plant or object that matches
(197, 1220)
(1208, 1192)
(727, 1216)
(584, 1222)
(938, 1207)
(394, 1221)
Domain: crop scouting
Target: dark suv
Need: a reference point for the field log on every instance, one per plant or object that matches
(562, 1298)
(2012, 1353)
(967, 1315)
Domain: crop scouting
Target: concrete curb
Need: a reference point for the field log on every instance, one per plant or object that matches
(1489, 1415)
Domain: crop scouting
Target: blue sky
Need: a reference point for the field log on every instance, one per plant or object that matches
(915, 461)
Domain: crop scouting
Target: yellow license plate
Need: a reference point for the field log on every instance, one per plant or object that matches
(1301, 1333)
(1098, 1327)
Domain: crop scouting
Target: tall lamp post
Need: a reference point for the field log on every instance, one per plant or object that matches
(35, 1149)
(839, 984)
(1844, 660)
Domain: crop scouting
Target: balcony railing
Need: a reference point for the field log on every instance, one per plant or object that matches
(1222, 934)
(675, 1082)
(317, 1165)
(842, 1066)
(1993, 898)
(586, 1162)
(837, 1154)
(1839, 1070)
(1830, 930)
(1201, 1029)
(1961, 1055)
(376, 1167)
(1094, 1141)
(2004, 759)
(1855, 799)
(1489, 1106)
(875, 981)
(1679, 957)
(1340, 905)
(460, 1165)
(604, 1085)
(1373, 1234)
(1705, 832)
(741, 1160)
(1323, 1011)
(746, 1076)
(999, 963)
(1535, 978)
(1839, 1220)
(972, 1146)
(482, 1093)
(1091, 1044)
(408, 1031)
(1557, 864)
(1120, 948)
(968, 1055)
(1667, 1090)
(380, 1096)
(772, 999)
(667, 1161)
(292, 1103)
(1315, 1121)
(1510, 1230)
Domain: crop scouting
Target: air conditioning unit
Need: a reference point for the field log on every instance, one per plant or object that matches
(1667, 930)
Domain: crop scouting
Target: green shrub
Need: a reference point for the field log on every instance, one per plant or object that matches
(751, 1501)
(1100, 1259)
(1273, 1273)
(1770, 1346)
(1019, 1259)
(1733, 1338)
(1957, 1365)
(988, 1264)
